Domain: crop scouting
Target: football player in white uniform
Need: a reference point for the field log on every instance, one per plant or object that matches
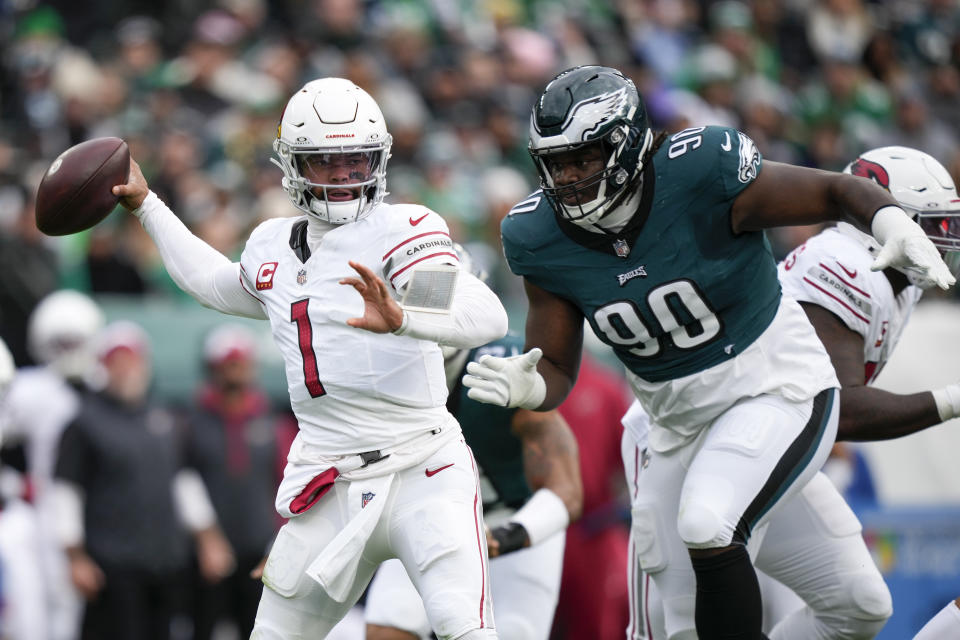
(531, 491)
(812, 543)
(39, 404)
(21, 584)
(365, 374)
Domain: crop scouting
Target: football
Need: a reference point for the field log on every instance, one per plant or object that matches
(75, 192)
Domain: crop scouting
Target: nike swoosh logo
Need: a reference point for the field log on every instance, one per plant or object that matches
(726, 146)
(414, 223)
(852, 274)
(432, 472)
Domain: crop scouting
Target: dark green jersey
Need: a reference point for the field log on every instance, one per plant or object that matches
(676, 291)
(486, 428)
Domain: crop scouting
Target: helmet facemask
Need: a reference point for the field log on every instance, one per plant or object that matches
(366, 180)
(941, 227)
(590, 198)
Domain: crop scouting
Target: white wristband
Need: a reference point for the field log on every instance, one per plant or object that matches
(948, 401)
(543, 515)
(893, 222)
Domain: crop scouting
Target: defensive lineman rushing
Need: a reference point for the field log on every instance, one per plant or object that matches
(531, 490)
(658, 244)
(370, 405)
(812, 543)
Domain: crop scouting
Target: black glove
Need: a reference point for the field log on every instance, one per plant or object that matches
(511, 537)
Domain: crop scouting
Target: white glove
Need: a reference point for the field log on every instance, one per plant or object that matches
(507, 382)
(907, 248)
(948, 401)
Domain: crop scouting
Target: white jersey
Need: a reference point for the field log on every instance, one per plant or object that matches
(832, 270)
(351, 390)
(38, 406)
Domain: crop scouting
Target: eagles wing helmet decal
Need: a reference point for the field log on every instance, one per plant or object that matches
(606, 106)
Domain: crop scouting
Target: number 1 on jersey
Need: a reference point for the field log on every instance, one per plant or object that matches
(311, 376)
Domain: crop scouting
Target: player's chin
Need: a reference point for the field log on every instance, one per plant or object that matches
(576, 198)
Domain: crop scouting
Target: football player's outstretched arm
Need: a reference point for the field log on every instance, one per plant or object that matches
(542, 377)
(551, 465)
(868, 413)
(786, 195)
(196, 267)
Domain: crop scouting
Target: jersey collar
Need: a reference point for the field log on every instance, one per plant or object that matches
(621, 243)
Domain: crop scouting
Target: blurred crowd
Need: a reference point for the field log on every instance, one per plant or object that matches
(196, 89)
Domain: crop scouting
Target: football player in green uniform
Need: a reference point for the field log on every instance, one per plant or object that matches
(658, 243)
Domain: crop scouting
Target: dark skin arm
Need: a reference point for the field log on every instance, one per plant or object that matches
(867, 413)
(556, 326)
(785, 195)
(781, 195)
(550, 460)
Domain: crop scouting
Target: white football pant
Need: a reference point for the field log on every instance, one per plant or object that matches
(433, 524)
(810, 541)
(525, 584)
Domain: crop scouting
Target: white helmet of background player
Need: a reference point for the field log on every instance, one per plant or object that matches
(60, 330)
(333, 117)
(921, 185)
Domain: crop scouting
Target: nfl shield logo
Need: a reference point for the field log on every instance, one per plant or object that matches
(302, 277)
(366, 498)
(621, 247)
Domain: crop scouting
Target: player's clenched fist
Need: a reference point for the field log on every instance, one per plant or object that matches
(508, 382)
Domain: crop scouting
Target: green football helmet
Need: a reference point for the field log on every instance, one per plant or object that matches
(596, 112)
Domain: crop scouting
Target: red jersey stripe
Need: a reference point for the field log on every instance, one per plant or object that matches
(858, 290)
(432, 255)
(808, 280)
(250, 293)
(411, 239)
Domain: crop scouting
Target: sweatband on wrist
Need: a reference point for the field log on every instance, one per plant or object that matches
(543, 515)
(892, 221)
(510, 537)
(948, 401)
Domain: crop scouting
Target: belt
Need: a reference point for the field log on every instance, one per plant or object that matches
(372, 457)
(376, 455)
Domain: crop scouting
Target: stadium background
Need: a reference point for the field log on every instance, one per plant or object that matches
(196, 88)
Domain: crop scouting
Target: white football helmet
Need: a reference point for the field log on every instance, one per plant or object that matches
(922, 186)
(60, 331)
(332, 121)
